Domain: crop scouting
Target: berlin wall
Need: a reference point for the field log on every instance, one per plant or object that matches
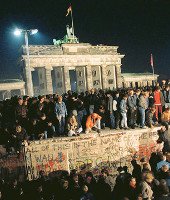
(11, 165)
(93, 152)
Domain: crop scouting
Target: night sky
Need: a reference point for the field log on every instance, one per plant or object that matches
(138, 27)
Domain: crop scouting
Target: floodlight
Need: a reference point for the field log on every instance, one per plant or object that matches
(17, 32)
(33, 31)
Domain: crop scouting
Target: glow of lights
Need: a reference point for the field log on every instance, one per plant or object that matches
(17, 32)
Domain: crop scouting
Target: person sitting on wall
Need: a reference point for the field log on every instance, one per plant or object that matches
(21, 113)
(165, 117)
(44, 127)
(149, 117)
(72, 124)
(33, 129)
(19, 138)
(93, 123)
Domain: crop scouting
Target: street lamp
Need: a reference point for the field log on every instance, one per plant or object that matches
(28, 75)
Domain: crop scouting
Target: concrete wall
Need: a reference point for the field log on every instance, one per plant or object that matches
(90, 152)
(11, 165)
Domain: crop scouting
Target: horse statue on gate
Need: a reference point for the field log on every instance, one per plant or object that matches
(68, 38)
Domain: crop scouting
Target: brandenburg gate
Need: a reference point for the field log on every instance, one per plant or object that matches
(94, 67)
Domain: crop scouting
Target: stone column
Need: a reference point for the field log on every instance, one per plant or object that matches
(59, 80)
(115, 80)
(104, 76)
(41, 80)
(118, 76)
(66, 79)
(144, 83)
(149, 83)
(28, 79)
(124, 84)
(133, 84)
(3, 95)
(89, 77)
(141, 84)
(127, 84)
(49, 86)
(22, 91)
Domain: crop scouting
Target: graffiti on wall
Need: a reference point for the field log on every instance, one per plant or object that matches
(92, 152)
(47, 158)
(11, 165)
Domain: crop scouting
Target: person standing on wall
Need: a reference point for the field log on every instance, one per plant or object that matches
(61, 113)
(92, 98)
(166, 95)
(110, 109)
(132, 109)
(159, 102)
(143, 105)
(123, 111)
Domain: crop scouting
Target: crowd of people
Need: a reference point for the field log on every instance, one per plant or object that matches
(149, 179)
(35, 118)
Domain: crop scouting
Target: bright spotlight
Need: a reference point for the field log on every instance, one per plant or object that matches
(17, 32)
(33, 31)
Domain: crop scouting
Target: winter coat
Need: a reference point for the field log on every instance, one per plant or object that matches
(166, 95)
(146, 191)
(143, 102)
(131, 101)
(91, 121)
(60, 109)
(123, 106)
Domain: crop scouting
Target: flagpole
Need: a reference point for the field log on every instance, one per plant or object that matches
(153, 76)
(153, 71)
(72, 22)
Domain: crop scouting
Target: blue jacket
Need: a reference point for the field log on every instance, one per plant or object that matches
(60, 109)
(123, 106)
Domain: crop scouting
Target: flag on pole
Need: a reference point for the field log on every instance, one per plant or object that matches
(68, 10)
(151, 61)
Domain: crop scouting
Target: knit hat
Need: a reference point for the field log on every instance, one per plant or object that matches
(74, 112)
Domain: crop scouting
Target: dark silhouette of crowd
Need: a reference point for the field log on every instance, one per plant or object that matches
(149, 179)
(34, 118)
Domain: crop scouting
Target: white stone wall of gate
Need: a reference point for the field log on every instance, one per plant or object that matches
(91, 152)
